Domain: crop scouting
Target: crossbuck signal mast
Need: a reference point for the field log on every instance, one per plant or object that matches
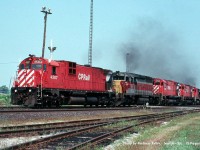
(90, 34)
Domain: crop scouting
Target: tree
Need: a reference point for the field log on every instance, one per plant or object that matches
(4, 89)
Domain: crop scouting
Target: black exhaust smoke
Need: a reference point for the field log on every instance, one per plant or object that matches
(156, 51)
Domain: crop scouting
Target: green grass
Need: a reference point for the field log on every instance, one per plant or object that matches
(149, 131)
(5, 99)
(185, 139)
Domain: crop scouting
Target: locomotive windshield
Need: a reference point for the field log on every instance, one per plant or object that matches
(118, 77)
(33, 66)
(36, 66)
(157, 83)
(28, 64)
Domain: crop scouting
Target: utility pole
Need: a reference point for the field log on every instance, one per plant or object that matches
(90, 34)
(46, 12)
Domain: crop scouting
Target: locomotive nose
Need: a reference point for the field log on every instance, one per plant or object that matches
(26, 78)
(117, 86)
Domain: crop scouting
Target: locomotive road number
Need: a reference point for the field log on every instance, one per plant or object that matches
(54, 77)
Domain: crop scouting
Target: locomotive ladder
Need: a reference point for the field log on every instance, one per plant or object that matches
(39, 94)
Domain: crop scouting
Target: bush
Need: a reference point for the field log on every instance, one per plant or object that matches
(5, 99)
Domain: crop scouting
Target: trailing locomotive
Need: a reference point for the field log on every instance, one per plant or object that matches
(169, 92)
(132, 88)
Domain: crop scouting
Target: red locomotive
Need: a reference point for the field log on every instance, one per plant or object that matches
(43, 83)
(185, 92)
(165, 91)
(196, 95)
(171, 92)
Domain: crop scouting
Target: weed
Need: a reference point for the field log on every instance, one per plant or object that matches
(186, 138)
(187, 130)
(5, 99)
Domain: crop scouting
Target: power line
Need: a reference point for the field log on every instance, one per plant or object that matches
(9, 63)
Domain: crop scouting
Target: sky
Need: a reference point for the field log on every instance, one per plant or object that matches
(161, 36)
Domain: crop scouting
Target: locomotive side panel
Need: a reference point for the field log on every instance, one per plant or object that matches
(164, 87)
(186, 94)
(196, 95)
(187, 91)
(52, 77)
(71, 76)
(98, 80)
(84, 78)
(170, 88)
(144, 86)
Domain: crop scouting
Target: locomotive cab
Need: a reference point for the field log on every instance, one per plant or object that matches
(120, 80)
(29, 72)
(117, 78)
(28, 81)
(158, 87)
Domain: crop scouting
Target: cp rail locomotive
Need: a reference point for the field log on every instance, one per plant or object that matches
(46, 83)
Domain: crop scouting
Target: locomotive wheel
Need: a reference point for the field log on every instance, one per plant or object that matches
(36, 106)
(49, 104)
(57, 104)
(44, 104)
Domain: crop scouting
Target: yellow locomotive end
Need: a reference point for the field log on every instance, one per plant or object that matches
(117, 86)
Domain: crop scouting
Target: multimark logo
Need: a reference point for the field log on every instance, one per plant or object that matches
(82, 76)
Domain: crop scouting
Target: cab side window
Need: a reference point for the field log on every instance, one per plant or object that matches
(21, 66)
(132, 80)
(44, 67)
(53, 70)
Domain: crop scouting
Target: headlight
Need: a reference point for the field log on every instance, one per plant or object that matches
(29, 90)
(15, 90)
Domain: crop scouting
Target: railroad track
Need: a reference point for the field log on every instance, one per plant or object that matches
(13, 131)
(88, 129)
(23, 110)
(63, 109)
